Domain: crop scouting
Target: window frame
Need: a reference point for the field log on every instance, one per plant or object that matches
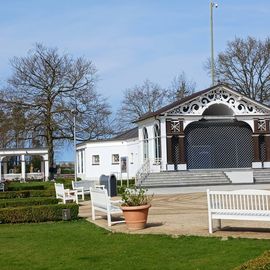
(94, 162)
(113, 160)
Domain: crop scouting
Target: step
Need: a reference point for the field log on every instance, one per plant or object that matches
(186, 178)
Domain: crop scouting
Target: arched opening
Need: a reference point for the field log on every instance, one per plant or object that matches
(218, 144)
(218, 109)
(157, 144)
(145, 144)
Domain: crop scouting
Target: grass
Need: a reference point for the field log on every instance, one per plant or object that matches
(82, 245)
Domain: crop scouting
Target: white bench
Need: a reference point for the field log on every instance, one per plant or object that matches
(65, 194)
(83, 187)
(100, 201)
(238, 205)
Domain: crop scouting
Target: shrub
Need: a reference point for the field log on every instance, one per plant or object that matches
(16, 186)
(27, 194)
(260, 263)
(67, 182)
(38, 213)
(27, 202)
(25, 187)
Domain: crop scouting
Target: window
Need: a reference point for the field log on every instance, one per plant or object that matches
(82, 161)
(115, 159)
(95, 159)
(157, 144)
(145, 144)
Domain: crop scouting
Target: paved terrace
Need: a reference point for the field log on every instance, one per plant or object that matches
(183, 211)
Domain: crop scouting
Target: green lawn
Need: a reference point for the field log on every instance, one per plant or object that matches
(82, 245)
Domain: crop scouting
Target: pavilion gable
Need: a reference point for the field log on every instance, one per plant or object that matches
(238, 103)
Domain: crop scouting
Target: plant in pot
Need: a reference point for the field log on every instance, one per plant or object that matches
(135, 206)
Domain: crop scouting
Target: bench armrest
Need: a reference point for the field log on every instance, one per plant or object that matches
(116, 201)
(71, 191)
(80, 189)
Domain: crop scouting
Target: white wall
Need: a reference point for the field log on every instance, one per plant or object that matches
(105, 150)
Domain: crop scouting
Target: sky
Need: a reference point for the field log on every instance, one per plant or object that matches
(129, 41)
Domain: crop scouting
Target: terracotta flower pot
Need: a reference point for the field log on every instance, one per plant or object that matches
(136, 216)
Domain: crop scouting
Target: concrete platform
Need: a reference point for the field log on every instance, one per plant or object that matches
(184, 212)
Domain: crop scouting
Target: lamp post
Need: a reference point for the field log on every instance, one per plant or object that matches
(74, 112)
(212, 4)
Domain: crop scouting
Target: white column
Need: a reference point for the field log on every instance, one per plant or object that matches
(23, 167)
(1, 158)
(163, 141)
(151, 143)
(140, 157)
(46, 167)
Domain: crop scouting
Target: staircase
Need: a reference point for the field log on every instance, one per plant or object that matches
(186, 178)
(261, 176)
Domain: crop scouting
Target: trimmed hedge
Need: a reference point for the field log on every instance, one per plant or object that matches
(39, 213)
(25, 187)
(27, 202)
(260, 263)
(27, 194)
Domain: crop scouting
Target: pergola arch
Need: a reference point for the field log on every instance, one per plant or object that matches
(22, 153)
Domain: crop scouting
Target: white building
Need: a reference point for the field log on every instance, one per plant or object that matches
(214, 129)
(118, 156)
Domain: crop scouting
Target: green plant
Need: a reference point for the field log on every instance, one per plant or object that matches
(33, 185)
(80, 244)
(25, 187)
(38, 213)
(16, 202)
(136, 197)
(27, 193)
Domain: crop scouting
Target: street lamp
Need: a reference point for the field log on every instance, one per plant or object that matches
(212, 41)
(74, 112)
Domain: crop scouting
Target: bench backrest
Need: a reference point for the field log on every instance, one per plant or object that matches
(59, 190)
(85, 184)
(99, 198)
(239, 200)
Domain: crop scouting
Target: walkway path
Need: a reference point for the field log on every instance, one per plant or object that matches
(186, 214)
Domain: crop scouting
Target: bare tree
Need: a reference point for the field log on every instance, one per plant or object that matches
(181, 87)
(49, 87)
(139, 100)
(245, 66)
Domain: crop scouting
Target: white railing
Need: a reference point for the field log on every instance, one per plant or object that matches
(143, 172)
(36, 175)
(14, 176)
(148, 167)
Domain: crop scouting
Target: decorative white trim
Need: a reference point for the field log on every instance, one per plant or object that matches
(170, 167)
(182, 167)
(237, 103)
(256, 165)
(266, 164)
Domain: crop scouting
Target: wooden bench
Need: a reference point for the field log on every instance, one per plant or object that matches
(100, 201)
(65, 194)
(238, 205)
